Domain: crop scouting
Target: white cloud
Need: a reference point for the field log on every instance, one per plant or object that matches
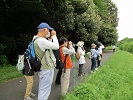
(125, 24)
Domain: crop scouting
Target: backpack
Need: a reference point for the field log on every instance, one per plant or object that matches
(20, 63)
(59, 63)
(77, 55)
(30, 57)
(90, 55)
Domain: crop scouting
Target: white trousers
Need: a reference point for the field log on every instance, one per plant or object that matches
(45, 82)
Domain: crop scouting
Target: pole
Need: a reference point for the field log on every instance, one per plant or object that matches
(74, 74)
(74, 69)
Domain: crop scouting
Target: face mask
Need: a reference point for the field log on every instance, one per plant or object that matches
(48, 35)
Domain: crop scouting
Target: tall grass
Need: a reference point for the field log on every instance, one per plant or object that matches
(113, 81)
(8, 72)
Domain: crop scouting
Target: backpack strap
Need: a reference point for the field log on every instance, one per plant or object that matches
(35, 38)
(64, 60)
(45, 49)
(65, 55)
(65, 63)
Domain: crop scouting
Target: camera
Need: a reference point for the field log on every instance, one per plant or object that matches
(69, 43)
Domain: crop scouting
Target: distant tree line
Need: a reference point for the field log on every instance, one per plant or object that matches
(87, 20)
(126, 44)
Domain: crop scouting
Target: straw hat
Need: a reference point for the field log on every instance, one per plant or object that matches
(93, 45)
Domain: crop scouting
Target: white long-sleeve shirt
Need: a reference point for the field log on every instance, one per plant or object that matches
(70, 50)
(48, 61)
(100, 49)
(82, 54)
(43, 43)
(94, 53)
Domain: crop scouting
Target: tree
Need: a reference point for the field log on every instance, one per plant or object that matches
(19, 21)
(86, 20)
(108, 12)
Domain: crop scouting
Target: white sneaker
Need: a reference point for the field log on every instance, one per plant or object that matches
(92, 71)
(32, 94)
(96, 68)
(28, 98)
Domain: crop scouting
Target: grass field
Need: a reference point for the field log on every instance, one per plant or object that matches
(8, 72)
(114, 81)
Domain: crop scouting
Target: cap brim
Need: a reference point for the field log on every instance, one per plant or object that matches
(50, 28)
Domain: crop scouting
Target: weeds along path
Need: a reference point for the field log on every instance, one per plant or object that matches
(15, 89)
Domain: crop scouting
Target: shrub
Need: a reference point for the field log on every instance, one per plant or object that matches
(3, 58)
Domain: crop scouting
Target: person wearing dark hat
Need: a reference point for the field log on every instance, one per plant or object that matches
(100, 49)
(43, 49)
(94, 54)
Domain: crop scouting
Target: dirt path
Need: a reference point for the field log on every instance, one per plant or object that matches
(15, 89)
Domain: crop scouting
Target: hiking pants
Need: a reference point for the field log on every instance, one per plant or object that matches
(45, 82)
(93, 64)
(29, 80)
(65, 81)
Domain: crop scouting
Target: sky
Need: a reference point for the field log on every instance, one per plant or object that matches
(125, 14)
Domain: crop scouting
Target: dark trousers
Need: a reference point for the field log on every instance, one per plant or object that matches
(113, 50)
(99, 61)
(58, 77)
(93, 63)
(80, 69)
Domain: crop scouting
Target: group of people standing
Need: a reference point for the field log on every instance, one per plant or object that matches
(96, 55)
(45, 43)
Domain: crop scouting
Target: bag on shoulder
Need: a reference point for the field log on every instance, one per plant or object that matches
(99, 57)
(59, 63)
(90, 55)
(20, 63)
(77, 55)
(30, 57)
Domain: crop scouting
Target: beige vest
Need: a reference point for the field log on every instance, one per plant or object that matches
(47, 57)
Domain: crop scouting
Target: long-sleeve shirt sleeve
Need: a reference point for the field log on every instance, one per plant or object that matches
(70, 50)
(94, 53)
(43, 43)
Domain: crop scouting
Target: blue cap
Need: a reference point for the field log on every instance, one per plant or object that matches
(44, 25)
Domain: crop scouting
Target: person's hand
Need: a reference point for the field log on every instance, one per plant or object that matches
(53, 32)
(70, 44)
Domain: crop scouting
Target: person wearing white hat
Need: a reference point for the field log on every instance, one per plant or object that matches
(82, 61)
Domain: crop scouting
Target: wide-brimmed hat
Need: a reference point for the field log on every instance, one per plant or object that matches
(79, 44)
(82, 42)
(93, 45)
(44, 25)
